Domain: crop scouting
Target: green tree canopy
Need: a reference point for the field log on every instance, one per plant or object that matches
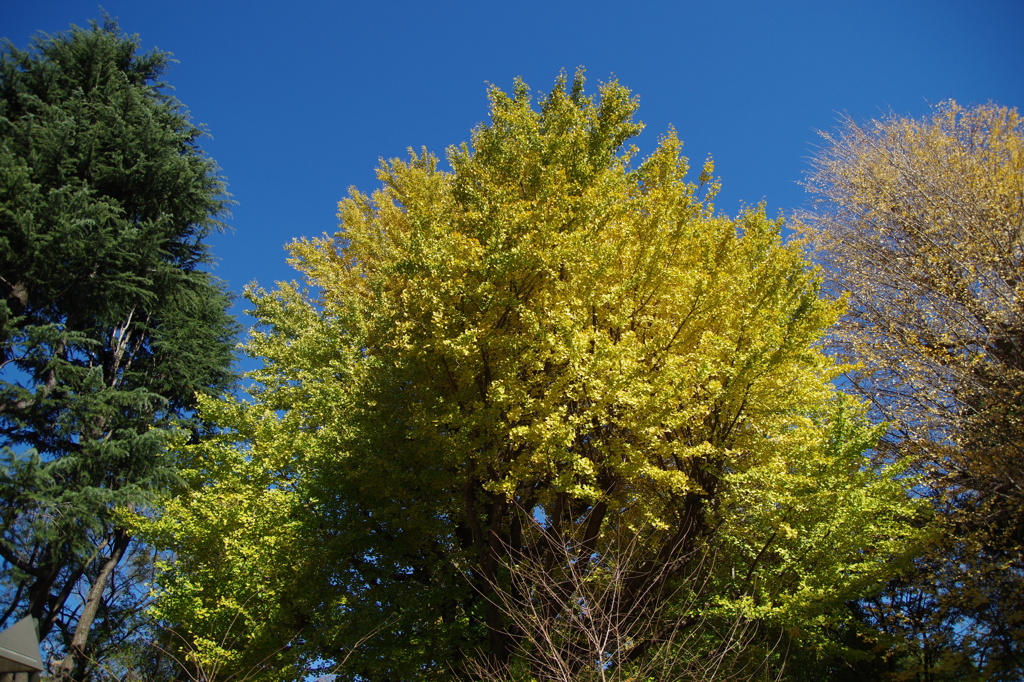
(522, 366)
(108, 325)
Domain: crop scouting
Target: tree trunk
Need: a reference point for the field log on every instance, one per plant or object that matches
(76, 652)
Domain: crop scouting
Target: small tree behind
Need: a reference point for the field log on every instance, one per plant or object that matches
(922, 221)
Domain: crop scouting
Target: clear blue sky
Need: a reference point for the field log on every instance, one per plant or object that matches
(302, 98)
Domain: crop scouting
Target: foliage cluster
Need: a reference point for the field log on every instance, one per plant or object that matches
(535, 413)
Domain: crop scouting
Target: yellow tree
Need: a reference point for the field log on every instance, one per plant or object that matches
(528, 363)
(922, 221)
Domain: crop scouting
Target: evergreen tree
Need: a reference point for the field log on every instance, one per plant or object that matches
(108, 325)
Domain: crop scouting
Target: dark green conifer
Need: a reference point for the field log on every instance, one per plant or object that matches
(109, 326)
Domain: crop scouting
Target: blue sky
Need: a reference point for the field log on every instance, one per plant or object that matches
(302, 98)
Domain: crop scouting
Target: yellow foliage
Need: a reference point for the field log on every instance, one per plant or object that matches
(531, 353)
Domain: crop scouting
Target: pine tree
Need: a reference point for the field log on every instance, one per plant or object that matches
(109, 326)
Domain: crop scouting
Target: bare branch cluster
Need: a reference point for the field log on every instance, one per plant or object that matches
(617, 615)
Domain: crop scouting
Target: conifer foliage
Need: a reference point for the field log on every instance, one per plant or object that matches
(108, 325)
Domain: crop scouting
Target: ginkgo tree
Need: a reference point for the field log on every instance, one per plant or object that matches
(511, 366)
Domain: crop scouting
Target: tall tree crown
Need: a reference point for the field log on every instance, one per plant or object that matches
(515, 364)
(922, 222)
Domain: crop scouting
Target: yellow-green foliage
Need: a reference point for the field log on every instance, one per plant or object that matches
(544, 341)
(238, 545)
